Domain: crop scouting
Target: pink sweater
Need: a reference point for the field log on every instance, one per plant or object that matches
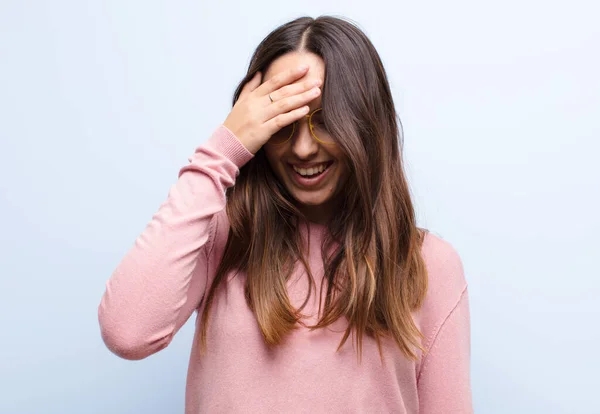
(162, 279)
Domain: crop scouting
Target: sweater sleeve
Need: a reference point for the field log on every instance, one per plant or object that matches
(444, 383)
(161, 280)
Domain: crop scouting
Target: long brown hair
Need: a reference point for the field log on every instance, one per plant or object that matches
(374, 275)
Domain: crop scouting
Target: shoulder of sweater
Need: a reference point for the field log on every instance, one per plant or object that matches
(446, 284)
(444, 266)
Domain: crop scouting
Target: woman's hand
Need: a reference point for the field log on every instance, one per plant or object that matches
(254, 118)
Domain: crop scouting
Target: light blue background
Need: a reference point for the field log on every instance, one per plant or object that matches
(101, 103)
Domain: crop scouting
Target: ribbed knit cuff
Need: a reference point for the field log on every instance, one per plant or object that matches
(225, 142)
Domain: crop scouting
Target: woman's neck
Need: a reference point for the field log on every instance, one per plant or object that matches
(318, 214)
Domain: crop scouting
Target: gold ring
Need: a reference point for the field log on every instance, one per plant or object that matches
(270, 98)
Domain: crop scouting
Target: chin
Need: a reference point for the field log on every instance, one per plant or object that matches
(312, 200)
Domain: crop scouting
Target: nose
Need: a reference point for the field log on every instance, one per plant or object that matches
(304, 145)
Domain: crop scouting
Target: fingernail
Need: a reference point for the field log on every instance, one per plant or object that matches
(302, 67)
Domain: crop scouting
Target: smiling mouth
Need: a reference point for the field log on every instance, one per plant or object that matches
(312, 172)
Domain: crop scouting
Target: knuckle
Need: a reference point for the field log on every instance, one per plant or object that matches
(281, 105)
(277, 79)
(282, 93)
(279, 122)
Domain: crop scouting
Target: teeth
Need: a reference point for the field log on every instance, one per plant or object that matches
(310, 171)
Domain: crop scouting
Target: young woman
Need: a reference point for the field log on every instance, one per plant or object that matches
(292, 234)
